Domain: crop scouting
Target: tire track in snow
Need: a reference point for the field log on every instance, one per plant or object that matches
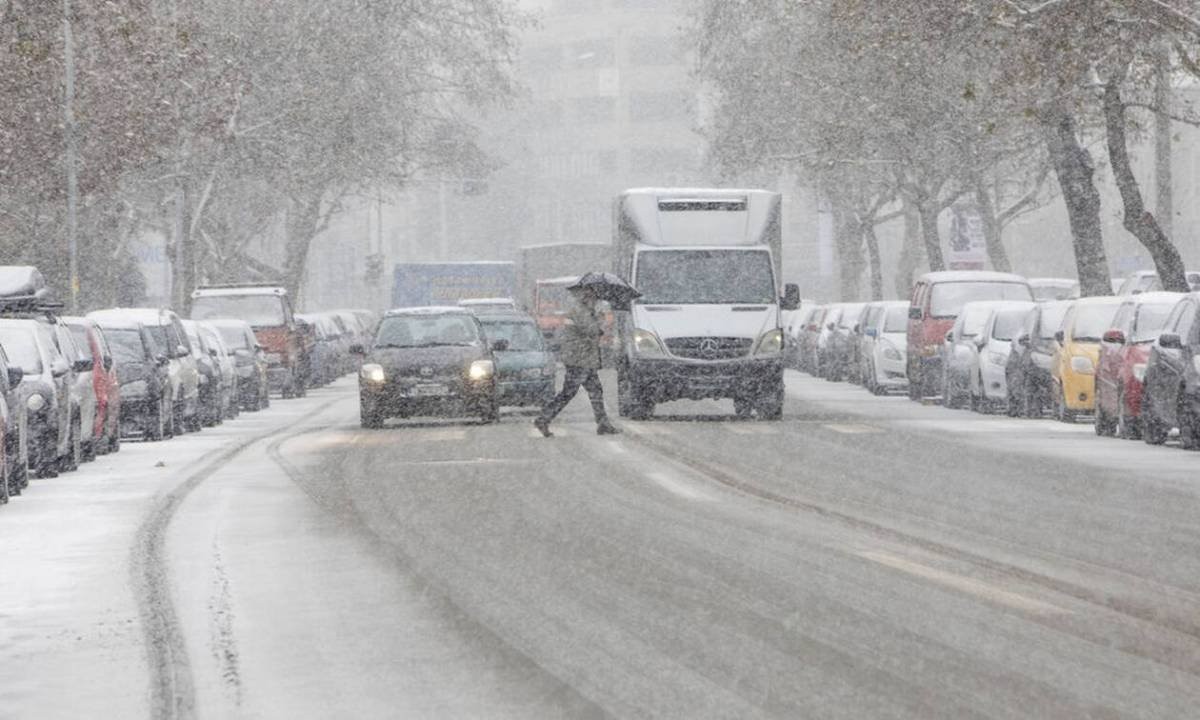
(172, 690)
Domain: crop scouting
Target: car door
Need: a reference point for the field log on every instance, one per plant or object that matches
(1112, 357)
(61, 379)
(1170, 371)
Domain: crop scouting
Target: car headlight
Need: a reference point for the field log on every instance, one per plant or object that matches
(1139, 370)
(892, 353)
(135, 389)
(373, 373)
(647, 344)
(481, 370)
(996, 358)
(35, 403)
(274, 358)
(770, 343)
(1082, 365)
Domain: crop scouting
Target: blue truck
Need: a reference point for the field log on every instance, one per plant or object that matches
(445, 283)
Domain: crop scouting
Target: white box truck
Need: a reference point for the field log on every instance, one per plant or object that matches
(708, 324)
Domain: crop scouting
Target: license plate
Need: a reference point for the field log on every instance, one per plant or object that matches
(431, 390)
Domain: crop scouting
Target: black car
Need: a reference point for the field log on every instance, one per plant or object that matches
(16, 440)
(1027, 372)
(146, 405)
(428, 361)
(1171, 394)
(525, 368)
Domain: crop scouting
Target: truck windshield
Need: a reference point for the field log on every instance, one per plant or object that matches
(258, 310)
(694, 277)
(949, 297)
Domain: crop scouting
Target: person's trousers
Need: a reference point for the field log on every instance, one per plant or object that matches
(577, 377)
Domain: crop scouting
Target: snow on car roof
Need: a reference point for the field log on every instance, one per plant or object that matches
(151, 316)
(1052, 282)
(430, 310)
(1159, 296)
(971, 276)
(239, 290)
(1101, 300)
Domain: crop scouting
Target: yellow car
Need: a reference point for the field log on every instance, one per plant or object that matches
(1073, 370)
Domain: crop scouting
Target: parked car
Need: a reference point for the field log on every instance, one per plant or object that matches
(960, 353)
(525, 367)
(810, 335)
(427, 361)
(106, 432)
(883, 347)
(488, 304)
(143, 371)
(1046, 289)
(171, 342)
(253, 390)
(1027, 374)
(83, 389)
(15, 430)
(826, 342)
(1124, 352)
(213, 393)
(936, 301)
(990, 389)
(1073, 370)
(794, 334)
(1144, 281)
(53, 441)
(849, 339)
(224, 359)
(1171, 397)
(268, 309)
(330, 350)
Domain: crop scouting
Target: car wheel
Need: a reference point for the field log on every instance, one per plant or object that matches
(1154, 431)
(1105, 426)
(114, 441)
(1189, 426)
(70, 461)
(770, 406)
(369, 416)
(491, 413)
(1061, 412)
(1128, 428)
(630, 402)
(742, 408)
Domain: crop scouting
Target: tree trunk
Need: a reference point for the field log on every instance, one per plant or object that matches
(871, 240)
(848, 240)
(1074, 169)
(303, 220)
(928, 210)
(910, 253)
(183, 255)
(1164, 204)
(992, 233)
(1138, 220)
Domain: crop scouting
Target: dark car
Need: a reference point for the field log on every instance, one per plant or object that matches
(249, 361)
(16, 429)
(54, 440)
(427, 361)
(142, 371)
(1027, 371)
(1171, 393)
(525, 367)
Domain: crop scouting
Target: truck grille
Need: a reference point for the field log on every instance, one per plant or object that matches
(709, 348)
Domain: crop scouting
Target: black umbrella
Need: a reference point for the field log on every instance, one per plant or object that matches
(608, 287)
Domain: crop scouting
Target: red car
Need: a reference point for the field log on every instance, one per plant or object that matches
(107, 432)
(937, 298)
(1123, 355)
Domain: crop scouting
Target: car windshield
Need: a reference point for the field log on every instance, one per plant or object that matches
(974, 320)
(21, 348)
(79, 335)
(234, 337)
(1008, 324)
(258, 310)
(1151, 317)
(949, 297)
(896, 320)
(426, 331)
(1052, 320)
(1092, 321)
(690, 277)
(126, 345)
(522, 336)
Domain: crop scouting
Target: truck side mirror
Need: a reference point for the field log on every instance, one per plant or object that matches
(1170, 341)
(1060, 336)
(1115, 337)
(1023, 341)
(914, 312)
(791, 297)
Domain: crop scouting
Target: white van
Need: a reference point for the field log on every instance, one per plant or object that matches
(708, 324)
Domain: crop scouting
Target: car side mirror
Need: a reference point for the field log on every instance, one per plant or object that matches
(1023, 341)
(857, 328)
(981, 341)
(871, 332)
(161, 360)
(108, 364)
(83, 365)
(914, 313)
(831, 326)
(791, 297)
(500, 346)
(1170, 341)
(181, 351)
(357, 349)
(213, 352)
(15, 376)
(1060, 336)
(1115, 337)
(59, 367)
(950, 337)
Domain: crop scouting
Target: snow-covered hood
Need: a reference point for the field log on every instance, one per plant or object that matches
(676, 321)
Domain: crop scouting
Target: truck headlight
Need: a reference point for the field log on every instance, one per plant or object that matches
(770, 343)
(1139, 370)
(35, 402)
(1082, 365)
(135, 390)
(481, 370)
(647, 344)
(373, 373)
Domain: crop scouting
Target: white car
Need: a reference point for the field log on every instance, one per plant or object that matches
(989, 387)
(960, 352)
(83, 388)
(884, 344)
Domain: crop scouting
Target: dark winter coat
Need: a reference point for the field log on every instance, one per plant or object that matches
(579, 339)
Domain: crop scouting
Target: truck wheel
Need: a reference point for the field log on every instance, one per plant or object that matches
(770, 406)
(630, 403)
(742, 408)
(369, 416)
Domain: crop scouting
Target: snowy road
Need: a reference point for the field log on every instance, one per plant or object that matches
(867, 557)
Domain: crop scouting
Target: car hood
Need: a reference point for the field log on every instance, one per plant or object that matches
(433, 361)
(676, 321)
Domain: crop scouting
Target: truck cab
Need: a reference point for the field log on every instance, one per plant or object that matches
(268, 310)
(709, 321)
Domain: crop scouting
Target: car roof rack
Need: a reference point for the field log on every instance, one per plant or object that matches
(29, 305)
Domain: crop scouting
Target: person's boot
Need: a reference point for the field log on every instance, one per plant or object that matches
(543, 426)
(605, 427)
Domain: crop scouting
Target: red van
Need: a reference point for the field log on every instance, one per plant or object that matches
(937, 298)
(268, 310)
